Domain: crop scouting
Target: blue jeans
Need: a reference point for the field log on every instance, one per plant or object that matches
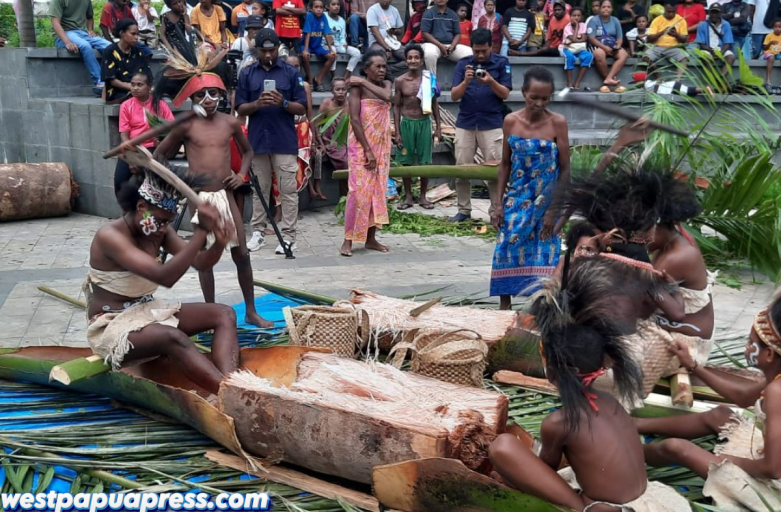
(357, 30)
(585, 57)
(86, 44)
(145, 50)
(742, 43)
(756, 45)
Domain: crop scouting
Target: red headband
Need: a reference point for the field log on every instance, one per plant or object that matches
(195, 84)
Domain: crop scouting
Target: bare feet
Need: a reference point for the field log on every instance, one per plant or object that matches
(611, 82)
(257, 320)
(347, 248)
(374, 245)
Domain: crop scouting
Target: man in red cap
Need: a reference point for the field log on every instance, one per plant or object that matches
(207, 143)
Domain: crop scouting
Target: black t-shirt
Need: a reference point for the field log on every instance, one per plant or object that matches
(519, 23)
(622, 15)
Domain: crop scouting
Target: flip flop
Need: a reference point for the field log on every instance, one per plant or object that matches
(404, 206)
(604, 88)
(620, 89)
(427, 206)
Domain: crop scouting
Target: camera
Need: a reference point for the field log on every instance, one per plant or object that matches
(480, 72)
(233, 60)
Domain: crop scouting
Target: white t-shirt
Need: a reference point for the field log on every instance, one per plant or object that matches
(338, 31)
(760, 9)
(382, 19)
(143, 22)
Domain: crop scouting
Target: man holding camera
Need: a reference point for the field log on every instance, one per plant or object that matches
(482, 83)
(271, 93)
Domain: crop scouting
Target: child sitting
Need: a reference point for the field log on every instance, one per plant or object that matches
(573, 49)
(638, 36)
(339, 34)
(749, 464)
(262, 9)
(595, 434)
(771, 51)
(465, 23)
(317, 41)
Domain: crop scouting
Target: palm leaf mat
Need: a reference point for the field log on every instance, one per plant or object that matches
(59, 440)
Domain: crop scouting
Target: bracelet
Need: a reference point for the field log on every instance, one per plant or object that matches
(691, 370)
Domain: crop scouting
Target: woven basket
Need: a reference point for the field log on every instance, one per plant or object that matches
(342, 331)
(457, 356)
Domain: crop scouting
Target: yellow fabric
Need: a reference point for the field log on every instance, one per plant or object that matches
(661, 23)
(209, 25)
(774, 49)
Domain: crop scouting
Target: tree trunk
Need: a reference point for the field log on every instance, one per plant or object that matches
(26, 22)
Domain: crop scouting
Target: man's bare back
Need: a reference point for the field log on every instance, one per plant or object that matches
(409, 85)
(605, 452)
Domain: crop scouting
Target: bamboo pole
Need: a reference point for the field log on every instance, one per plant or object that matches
(681, 390)
(79, 369)
(295, 293)
(62, 296)
(472, 172)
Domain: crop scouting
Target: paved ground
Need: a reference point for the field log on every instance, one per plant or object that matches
(54, 252)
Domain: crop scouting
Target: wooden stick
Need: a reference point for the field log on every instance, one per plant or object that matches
(293, 478)
(681, 390)
(79, 369)
(141, 157)
(624, 113)
(420, 309)
(157, 130)
(62, 296)
(519, 379)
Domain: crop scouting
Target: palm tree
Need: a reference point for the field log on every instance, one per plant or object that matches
(26, 22)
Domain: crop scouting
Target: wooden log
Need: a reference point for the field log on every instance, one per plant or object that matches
(519, 379)
(299, 480)
(79, 369)
(30, 191)
(472, 172)
(446, 485)
(681, 390)
(342, 417)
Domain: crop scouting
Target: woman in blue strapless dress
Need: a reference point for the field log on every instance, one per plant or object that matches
(535, 160)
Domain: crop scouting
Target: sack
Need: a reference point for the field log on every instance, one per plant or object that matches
(340, 330)
(458, 357)
(576, 47)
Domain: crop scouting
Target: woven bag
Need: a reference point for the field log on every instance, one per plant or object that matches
(457, 356)
(340, 330)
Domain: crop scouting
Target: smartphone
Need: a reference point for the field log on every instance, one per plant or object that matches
(269, 85)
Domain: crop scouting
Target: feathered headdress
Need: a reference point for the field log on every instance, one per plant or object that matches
(630, 199)
(583, 324)
(196, 76)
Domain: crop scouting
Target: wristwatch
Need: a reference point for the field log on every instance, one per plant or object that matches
(285, 103)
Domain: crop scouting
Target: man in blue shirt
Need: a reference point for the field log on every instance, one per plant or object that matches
(441, 33)
(715, 37)
(272, 132)
(482, 83)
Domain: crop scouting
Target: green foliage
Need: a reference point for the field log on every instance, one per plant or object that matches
(342, 120)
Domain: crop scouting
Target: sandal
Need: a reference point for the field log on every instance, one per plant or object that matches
(404, 206)
(604, 88)
(620, 89)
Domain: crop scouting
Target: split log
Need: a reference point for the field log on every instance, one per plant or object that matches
(519, 379)
(681, 390)
(439, 485)
(511, 336)
(31, 191)
(343, 417)
(79, 369)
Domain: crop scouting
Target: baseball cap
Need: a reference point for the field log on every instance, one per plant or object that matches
(255, 21)
(266, 38)
(715, 7)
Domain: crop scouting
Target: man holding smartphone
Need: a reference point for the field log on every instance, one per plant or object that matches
(271, 93)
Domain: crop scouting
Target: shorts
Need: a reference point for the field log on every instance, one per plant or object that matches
(770, 56)
(293, 43)
(416, 138)
(662, 52)
(320, 51)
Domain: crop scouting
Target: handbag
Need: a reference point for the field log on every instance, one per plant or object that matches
(607, 39)
(576, 47)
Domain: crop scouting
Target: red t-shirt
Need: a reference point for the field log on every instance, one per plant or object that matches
(694, 13)
(111, 14)
(556, 30)
(466, 32)
(288, 25)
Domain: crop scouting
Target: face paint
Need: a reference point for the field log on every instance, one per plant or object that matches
(148, 224)
(753, 355)
(206, 96)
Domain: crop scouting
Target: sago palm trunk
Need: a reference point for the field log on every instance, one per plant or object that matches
(26, 22)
